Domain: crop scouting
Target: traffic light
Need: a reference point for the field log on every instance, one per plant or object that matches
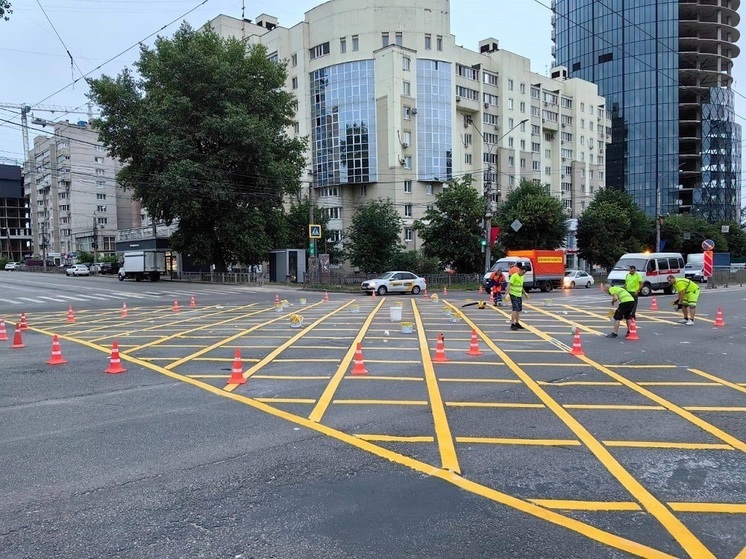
(483, 242)
(311, 248)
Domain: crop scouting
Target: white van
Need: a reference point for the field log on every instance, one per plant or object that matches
(654, 267)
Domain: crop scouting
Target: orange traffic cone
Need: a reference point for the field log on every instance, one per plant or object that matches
(577, 347)
(192, 303)
(124, 310)
(359, 366)
(326, 296)
(719, 318)
(3, 332)
(277, 298)
(474, 346)
(481, 290)
(373, 294)
(24, 324)
(633, 337)
(115, 364)
(653, 305)
(445, 291)
(17, 340)
(70, 314)
(237, 370)
(176, 306)
(56, 358)
(424, 294)
(440, 351)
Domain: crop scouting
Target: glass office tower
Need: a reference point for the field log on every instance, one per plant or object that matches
(664, 67)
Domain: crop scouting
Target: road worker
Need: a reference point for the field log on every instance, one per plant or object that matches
(632, 284)
(687, 300)
(623, 311)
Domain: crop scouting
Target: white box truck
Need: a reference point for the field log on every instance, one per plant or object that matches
(141, 264)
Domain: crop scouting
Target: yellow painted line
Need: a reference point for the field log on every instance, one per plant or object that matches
(158, 358)
(385, 348)
(580, 383)
(291, 377)
(218, 359)
(727, 508)
(674, 445)
(446, 444)
(604, 318)
(272, 355)
(670, 522)
(569, 322)
(741, 555)
(719, 408)
(581, 365)
(612, 407)
(521, 505)
(525, 442)
(178, 346)
(391, 361)
(472, 363)
(286, 400)
(369, 377)
(641, 366)
(486, 380)
(208, 376)
(679, 383)
(307, 360)
(381, 402)
(326, 397)
(534, 351)
(394, 439)
(493, 405)
(587, 505)
(718, 380)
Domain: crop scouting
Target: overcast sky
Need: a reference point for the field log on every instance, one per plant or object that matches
(35, 64)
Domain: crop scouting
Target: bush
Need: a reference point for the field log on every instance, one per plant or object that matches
(415, 261)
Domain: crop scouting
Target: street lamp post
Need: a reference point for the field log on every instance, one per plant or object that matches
(491, 204)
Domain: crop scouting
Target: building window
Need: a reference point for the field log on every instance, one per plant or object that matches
(511, 123)
(522, 107)
(408, 236)
(406, 63)
(535, 165)
(399, 38)
(535, 111)
(385, 39)
(294, 60)
(363, 190)
(407, 187)
(439, 42)
(429, 192)
(100, 184)
(510, 142)
(407, 161)
(523, 163)
(294, 81)
(523, 88)
(355, 43)
(98, 148)
(98, 159)
(407, 137)
(490, 99)
(547, 170)
(102, 220)
(100, 172)
(100, 196)
(467, 158)
(536, 147)
(343, 45)
(406, 112)
(510, 85)
(407, 88)
(100, 208)
(535, 129)
(319, 50)
(582, 123)
(510, 104)
(296, 128)
(408, 210)
(608, 57)
(547, 154)
(511, 161)
(523, 145)
(428, 42)
(490, 79)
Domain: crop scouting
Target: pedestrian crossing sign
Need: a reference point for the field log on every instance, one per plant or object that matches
(314, 231)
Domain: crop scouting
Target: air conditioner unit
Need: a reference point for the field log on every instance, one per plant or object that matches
(405, 145)
(402, 161)
(564, 125)
(562, 142)
(458, 98)
(486, 105)
(414, 111)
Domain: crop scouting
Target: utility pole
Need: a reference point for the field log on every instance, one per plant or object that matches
(658, 216)
(44, 244)
(94, 245)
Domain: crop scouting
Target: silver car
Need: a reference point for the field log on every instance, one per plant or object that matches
(576, 278)
(78, 270)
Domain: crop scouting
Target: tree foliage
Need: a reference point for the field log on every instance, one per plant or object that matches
(452, 230)
(611, 226)
(201, 133)
(544, 223)
(373, 238)
(5, 9)
(416, 261)
(674, 227)
(295, 233)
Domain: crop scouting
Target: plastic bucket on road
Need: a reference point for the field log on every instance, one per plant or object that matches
(395, 314)
(407, 327)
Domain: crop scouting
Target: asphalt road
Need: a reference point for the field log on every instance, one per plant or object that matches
(635, 448)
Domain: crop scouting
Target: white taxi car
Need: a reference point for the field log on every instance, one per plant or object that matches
(395, 282)
(577, 278)
(78, 270)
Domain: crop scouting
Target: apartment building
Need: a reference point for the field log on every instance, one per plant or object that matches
(393, 108)
(76, 203)
(15, 227)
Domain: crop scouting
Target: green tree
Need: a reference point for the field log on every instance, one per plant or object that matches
(452, 230)
(5, 10)
(84, 256)
(373, 238)
(416, 261)
(543, 221)
(611, 226)
(674, 227)
(736, 239)
(201, 133)
(296, 230)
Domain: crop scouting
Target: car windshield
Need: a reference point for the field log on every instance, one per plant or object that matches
(387, 275)
(570, 273)
(625, 263)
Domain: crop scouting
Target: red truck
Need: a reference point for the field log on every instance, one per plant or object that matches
(545, 268)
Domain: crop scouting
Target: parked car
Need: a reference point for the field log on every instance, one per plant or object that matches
(93, 268)
(695, 271)
(577, 278)
(10, 266)
(78, 270)
(108, 268)
(395, 282)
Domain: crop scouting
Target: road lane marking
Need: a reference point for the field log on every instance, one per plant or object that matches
(569, 322)
(523, 442)
(672, 445)
(443, 435)
(642, 366)
(580, 383)
(291, 377)
(719, 409)
(394, 439)
(515, 405)
(718, 380)
(486, 380)
(668, 520)
(595, 506)
(286, 400)
(405, 379)
(521, 505)
(679, 383)
(726, 508)
(381, 402)
(613, 407)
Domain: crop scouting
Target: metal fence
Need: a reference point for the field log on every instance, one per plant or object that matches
(220, 277)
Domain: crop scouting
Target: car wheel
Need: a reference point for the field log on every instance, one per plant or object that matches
(382, 290)
(572, 285)
(588, 285)
(416, 290)
(646, 290)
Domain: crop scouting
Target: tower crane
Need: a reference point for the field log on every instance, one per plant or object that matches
(26, 109)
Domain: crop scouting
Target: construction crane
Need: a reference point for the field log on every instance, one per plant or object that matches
(26, 109)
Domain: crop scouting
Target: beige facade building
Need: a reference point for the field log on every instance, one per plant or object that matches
(74, 198)
(394, 108)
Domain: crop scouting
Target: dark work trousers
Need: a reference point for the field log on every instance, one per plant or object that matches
(634, 307)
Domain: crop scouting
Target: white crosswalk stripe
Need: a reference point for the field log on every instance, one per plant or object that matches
(10, 301)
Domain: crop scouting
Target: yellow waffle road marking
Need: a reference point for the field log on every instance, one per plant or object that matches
(521, 505)
(674, 445)
(572, 323)
(286, 400)
(531, 364)
(718, 409)
(368, 377)
(395, 439)
(727, 508)
(595, 506)
(326, 397)
(208, 376)
(292, 377)
(675, 527)
(718, 380)
(524, 442)
(679, 383)
(446, 445)
(487, 380)
(493, 405)
(382, 402)
(641, 366)
(612, 407)
(580, 383)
